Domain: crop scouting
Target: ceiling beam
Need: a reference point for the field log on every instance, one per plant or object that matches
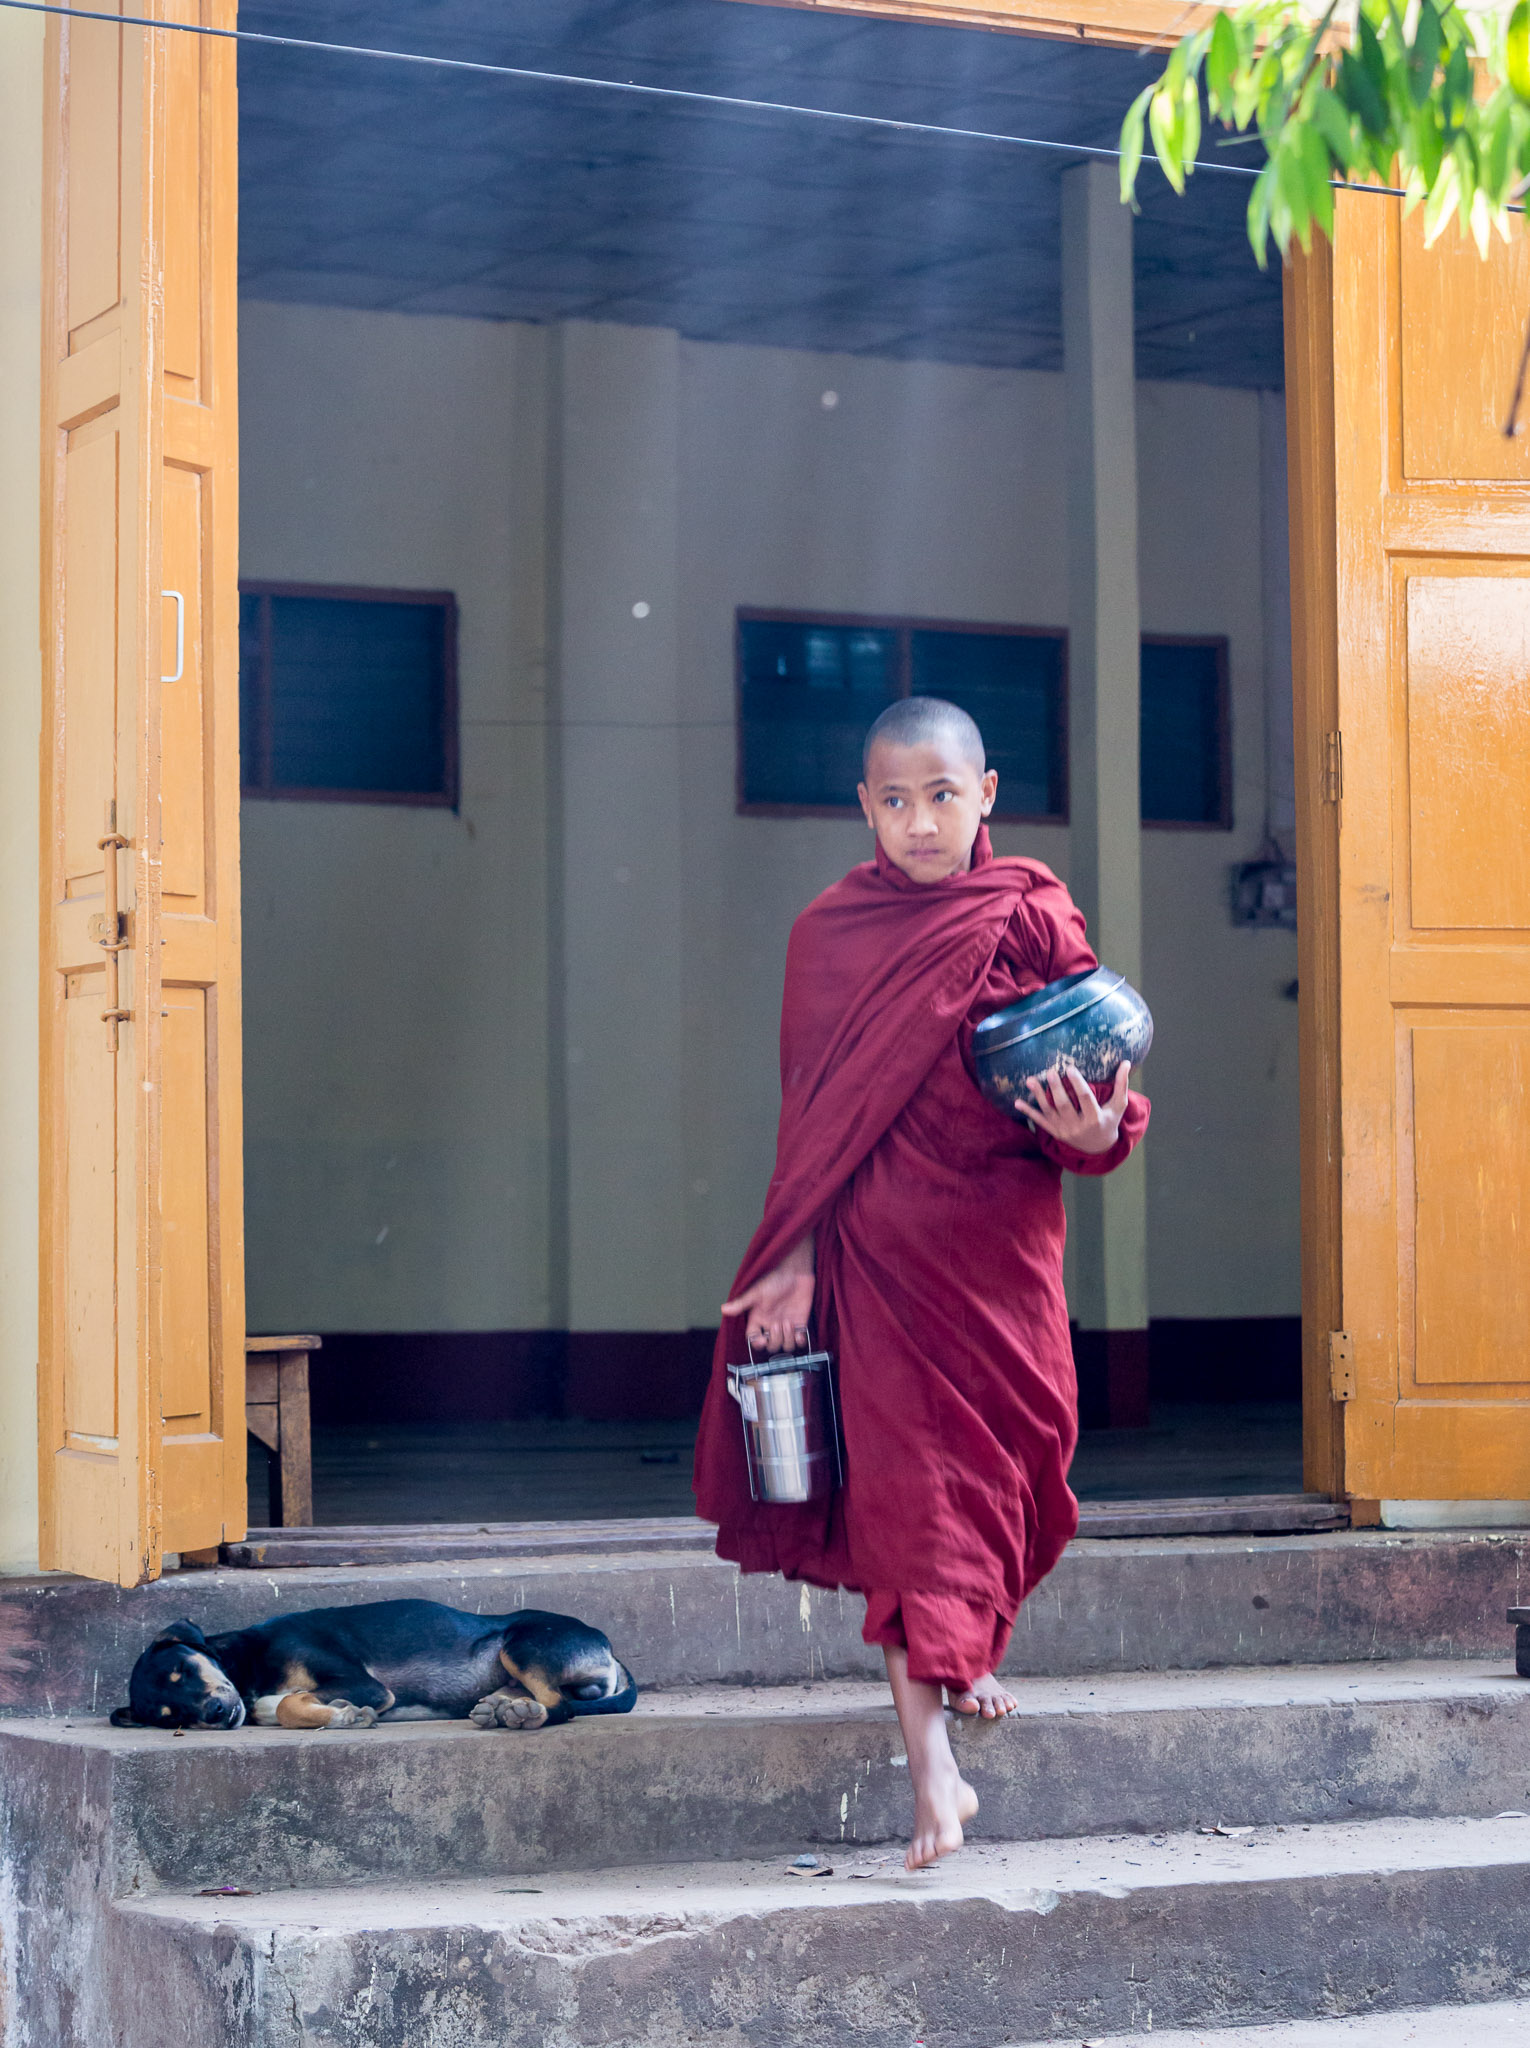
(1123, 24)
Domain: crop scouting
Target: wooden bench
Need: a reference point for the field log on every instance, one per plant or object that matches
(276, 1414)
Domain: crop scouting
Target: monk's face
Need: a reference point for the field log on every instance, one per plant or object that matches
(925, 804)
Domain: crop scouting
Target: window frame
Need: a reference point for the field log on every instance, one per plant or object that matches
(444, 601)
(905, 627)
(1223, 821)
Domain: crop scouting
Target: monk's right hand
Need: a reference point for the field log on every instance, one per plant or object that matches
(778, 1307)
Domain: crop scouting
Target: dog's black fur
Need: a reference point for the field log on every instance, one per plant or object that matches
(389, 1660)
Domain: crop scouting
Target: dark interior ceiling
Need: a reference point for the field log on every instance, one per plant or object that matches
(383, 185)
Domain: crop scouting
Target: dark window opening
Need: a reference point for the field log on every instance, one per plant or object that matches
(1186, 764)
(348, 695)
(1015, 685)
(809, 688)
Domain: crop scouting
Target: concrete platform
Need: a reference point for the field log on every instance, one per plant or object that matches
(1054, 1940)
(1442, 2026)
(724, 1772)
(679, 1618)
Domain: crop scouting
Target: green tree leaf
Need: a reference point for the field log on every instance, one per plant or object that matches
(1164, 126)
(1331, 120)
(1517, 50)
(1444, 113)
(1424, 55)
(1131, 144)
(1357, 89)
(1221, 63)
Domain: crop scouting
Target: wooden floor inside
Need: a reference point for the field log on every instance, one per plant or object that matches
(585, 1471)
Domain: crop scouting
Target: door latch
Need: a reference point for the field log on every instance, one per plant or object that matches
(109, 929)
(1341, 1365)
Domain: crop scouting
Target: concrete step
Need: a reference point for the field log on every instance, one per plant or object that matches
(371, 1543)
(678, 1618)
(1263, 1514)
(1055, 1941)
(1498, 2025)
(722, 1772)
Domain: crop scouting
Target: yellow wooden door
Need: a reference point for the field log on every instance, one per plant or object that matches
(141, 1383)
(1412, 613)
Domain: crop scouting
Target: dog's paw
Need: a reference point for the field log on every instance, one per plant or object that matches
(342, 1714)
(508, 1710)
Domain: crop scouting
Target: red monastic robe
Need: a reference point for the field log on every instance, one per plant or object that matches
(939, 1232)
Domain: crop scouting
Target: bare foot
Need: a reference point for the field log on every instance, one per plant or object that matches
(941, 1805)
(985, 1696)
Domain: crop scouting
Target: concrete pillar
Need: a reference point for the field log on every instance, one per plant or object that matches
(1275, 586)
(1104, 639)
(617, 1003)
(21, 246)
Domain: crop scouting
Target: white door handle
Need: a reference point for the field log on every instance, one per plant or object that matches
(180, 636)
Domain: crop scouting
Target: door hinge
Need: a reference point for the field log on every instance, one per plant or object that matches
(1341, 1365)
(1333, 767)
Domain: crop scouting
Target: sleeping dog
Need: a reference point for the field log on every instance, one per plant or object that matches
(390, 1660)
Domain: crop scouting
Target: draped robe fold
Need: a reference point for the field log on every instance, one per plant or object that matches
(939, 1230)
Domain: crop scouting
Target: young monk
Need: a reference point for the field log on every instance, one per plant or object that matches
(920, 1230)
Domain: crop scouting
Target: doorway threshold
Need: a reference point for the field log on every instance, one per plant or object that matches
(436, 1542)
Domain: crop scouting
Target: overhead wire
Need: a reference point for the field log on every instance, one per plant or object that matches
(689, 94)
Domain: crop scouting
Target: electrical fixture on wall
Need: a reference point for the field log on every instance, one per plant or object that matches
(1264, 890)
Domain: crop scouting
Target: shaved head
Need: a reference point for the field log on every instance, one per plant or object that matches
(926, 721)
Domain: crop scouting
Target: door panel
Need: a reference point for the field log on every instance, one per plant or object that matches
(1455, 397)
(90, 1191)
(183, 713)
(1429, 781)
(187, 1309)
(87, 620)
(91, 85)
(1467, 642)
(142, 1352)
(183, 221)
(1471, 1153)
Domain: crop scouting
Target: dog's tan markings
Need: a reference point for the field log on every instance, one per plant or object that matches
(210, 1673)
(299, 1678)
(301, 1709)
(535, 1683)
(175, 1678)
(307, 1710)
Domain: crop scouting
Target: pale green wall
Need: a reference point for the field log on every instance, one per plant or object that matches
(398, 1004)
(394, 967)
(21, 46)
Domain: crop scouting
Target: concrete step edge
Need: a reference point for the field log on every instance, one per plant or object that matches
(1064, 1939)
(1498, 2022)
(1444, 1681)
(1020, 1876)
(685, 1617)
(729, 1776)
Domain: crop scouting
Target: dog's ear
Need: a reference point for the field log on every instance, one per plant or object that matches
(181, 1632)
(122, 1717)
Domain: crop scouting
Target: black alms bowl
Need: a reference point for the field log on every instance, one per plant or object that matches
(1096, 1020)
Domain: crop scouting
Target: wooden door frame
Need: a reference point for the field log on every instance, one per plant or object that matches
(1310, 454)
(1310, 425)
(139, 312)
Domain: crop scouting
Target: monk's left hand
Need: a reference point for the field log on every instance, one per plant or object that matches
(1066, 1107)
